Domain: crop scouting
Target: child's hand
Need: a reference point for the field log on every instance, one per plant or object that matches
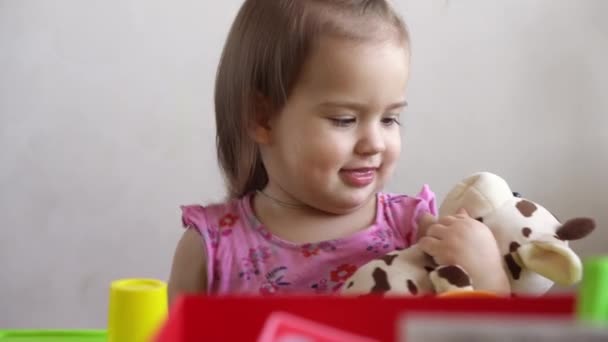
(460, 239)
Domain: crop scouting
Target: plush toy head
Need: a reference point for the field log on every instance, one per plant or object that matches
(533, 242)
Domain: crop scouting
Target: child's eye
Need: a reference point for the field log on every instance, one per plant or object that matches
(343, 122)
(389, 121)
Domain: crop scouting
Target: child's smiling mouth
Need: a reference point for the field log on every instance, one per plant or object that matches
(359, 177)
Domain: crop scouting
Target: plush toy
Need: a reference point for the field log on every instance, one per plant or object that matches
(533, 242)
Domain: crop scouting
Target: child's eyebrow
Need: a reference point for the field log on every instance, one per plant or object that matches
(360, 106)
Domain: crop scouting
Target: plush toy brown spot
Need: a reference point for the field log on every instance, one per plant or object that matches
(514, 246)
(412, 287)
(388, 259)
(381, 284)
(513, 267)
(575, 229)
(429, 268)
(350, 284)
(455, 276)
(526, 208)
(526, 231)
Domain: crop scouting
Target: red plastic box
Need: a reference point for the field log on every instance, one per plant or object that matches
(207, 318)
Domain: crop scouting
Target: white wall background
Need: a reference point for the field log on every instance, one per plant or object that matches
(106, 127)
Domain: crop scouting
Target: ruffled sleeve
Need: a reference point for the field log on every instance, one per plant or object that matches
(403, 212)
(193, 216)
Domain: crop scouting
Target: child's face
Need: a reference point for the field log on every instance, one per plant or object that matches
(337, 139)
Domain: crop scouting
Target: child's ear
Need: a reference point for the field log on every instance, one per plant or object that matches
(259, 123)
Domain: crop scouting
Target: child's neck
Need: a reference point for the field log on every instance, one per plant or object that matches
(305, 224)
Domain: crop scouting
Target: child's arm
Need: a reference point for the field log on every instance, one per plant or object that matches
(189, 270)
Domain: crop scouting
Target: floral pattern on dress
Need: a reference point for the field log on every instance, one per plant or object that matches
(214, 236)
(264, 232)
(343, 272)
(312, 249)
(380, 241)
(226, 223)
(336, 280)
(320, 287)
(252, 262)
(274, 281)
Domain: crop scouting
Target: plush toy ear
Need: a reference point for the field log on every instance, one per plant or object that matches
(480, 194)
(552, 260)
(575, 229)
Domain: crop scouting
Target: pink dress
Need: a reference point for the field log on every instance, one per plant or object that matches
(245, 258)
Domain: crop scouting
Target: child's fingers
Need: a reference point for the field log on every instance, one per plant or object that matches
(462, 212)
(426, 220)
(459, 215)
(430, 245)
(437, 231)
(447, 220)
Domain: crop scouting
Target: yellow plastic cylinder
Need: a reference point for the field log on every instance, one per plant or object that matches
(137, 308)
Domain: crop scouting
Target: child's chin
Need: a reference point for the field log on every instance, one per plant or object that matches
(354, 202)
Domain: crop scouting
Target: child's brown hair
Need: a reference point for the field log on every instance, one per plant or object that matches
(267, 44)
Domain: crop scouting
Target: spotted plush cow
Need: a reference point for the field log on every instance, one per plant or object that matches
(533, 242)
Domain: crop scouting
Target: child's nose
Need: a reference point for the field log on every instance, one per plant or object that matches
(371, 141)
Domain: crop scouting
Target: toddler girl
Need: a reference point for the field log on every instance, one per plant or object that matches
(308, 101)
